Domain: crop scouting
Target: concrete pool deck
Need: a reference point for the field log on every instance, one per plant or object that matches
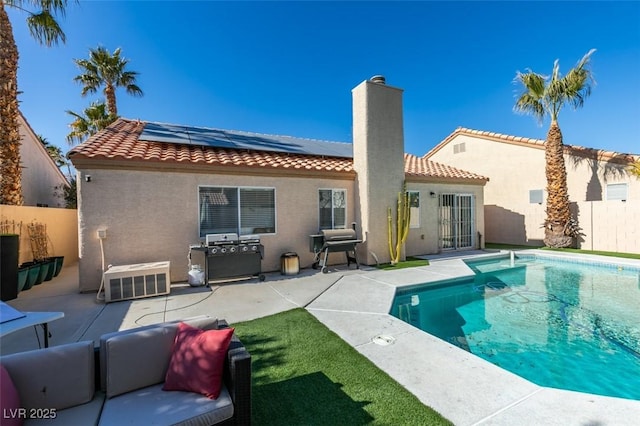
(355, 305)
(462, 387)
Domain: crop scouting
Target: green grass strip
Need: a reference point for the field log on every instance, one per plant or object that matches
(566, 250)
(601, 253)
(409, 263)
(304, 374)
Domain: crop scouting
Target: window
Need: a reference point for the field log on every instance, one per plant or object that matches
(414, 206)
(617, 191)
(332, 204)
(535, 196)
(237, 210)
(459, 147)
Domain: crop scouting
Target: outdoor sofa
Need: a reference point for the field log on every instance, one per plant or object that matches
(119, 381)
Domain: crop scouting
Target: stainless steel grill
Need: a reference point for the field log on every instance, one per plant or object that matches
(229, 256)
(331, 241)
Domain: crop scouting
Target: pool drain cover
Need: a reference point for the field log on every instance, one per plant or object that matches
(383, 340)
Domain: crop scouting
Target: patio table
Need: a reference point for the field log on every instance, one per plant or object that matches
(12, 320)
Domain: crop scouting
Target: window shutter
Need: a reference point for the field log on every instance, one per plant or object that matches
(617, 191)
(218, 210)
(536, 196)
(257, 210)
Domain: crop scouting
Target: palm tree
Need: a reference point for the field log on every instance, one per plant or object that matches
(104, 69)
(545, 96)
(95, 118)
(635, 168)
(54, 151)
(44, 28)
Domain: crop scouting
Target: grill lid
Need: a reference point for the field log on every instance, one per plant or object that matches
(338, 234)
(217, 239)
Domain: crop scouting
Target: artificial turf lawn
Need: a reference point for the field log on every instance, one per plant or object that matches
(409, 263)
(304, 374)
(567, 250)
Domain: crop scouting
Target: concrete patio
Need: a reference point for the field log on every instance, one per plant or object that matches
(355, 305)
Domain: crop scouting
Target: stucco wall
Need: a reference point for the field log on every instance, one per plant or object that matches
(425, 239)
(378, 159)
(153, 216)
(40, 175)
(514, 170)
(62, 230)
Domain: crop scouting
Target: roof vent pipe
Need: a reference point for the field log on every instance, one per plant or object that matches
(378, 79)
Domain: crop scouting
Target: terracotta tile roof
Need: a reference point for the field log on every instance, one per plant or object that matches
(120, 142)
(421, 167)
(537, 143)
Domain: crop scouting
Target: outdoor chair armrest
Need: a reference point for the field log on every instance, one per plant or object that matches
(237, 377)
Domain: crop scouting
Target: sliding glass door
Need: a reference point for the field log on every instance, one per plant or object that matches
(456, 221)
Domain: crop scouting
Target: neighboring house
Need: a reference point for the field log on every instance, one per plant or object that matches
(158, 188)
(42, 180)
(604, 197)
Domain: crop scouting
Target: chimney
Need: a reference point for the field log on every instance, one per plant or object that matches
(378, 159)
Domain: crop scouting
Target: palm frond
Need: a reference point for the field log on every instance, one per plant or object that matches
(107, 71)
(93, 119)
(45, 29)
(531, 99)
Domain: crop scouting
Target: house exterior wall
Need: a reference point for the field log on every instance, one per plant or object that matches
(62, 230)
(425, 238)
(515, 169)
(40, 175)
(152, 215)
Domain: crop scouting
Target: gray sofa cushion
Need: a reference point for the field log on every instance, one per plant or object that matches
(138, 358)
(153, 406)
(86, 414)
(56, 377)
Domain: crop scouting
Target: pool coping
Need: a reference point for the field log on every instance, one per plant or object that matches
(462, 387)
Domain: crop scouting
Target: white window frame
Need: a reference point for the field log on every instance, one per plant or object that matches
(414, 211)
(238, 229)
(619, 194)
(333, 206)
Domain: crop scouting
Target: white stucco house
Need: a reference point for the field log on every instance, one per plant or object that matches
(156, 188)
(604, 197)
(41, 178)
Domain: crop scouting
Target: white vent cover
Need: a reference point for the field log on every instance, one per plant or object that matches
(136, 281)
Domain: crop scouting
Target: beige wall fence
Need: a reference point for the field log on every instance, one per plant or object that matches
(606, 225)
(62, 230)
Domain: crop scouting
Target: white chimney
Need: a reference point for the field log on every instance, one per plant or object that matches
(378, 159)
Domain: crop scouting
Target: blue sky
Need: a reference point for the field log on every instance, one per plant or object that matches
(288, 68)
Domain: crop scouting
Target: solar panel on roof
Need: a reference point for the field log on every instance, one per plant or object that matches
(234, 139)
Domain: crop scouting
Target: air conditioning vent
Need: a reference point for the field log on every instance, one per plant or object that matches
(136, 281)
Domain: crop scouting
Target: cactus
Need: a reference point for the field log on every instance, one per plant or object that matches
(403, 216)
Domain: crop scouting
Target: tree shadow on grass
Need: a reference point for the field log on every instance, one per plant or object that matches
(310, 399)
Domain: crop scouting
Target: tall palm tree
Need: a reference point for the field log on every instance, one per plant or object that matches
(545, 96)
(108, 70)
(93, 119)
(44, 28)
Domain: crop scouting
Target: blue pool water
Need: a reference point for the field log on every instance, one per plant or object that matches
(558, 324)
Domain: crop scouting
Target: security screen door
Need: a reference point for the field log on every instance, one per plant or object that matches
(456, 221)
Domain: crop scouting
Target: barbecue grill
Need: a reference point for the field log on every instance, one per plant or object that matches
(331, 241)
(229, 256)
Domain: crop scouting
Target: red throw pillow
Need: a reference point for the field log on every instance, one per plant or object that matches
(197, 360)
(12, 415)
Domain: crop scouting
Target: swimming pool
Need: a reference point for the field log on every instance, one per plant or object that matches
(559, 324)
